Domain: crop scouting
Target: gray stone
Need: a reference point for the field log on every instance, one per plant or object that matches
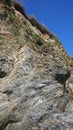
(32, 75)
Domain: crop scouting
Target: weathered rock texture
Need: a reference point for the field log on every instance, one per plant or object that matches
(34, 67)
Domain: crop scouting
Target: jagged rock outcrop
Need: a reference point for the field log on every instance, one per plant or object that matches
(62, 75)
(31, 94)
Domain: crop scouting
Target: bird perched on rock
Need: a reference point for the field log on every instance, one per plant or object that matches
(62, 75)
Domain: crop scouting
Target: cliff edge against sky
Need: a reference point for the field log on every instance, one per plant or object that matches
(36, 86)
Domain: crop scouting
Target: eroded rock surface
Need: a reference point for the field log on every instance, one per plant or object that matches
(31, 94)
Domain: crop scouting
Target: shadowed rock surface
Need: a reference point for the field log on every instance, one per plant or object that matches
(33, 69)
(62, 75)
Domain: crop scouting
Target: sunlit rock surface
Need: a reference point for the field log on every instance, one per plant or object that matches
(31, 94)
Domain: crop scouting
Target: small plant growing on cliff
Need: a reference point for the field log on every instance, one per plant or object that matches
(12, 18)
(38, 40)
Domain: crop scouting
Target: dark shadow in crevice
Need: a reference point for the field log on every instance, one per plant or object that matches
(2, 74)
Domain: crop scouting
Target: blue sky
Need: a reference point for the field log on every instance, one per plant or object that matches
(56, 15)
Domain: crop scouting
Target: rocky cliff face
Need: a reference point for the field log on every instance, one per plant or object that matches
(36, 86)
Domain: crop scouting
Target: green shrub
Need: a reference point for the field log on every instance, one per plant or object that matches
(38, 40)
